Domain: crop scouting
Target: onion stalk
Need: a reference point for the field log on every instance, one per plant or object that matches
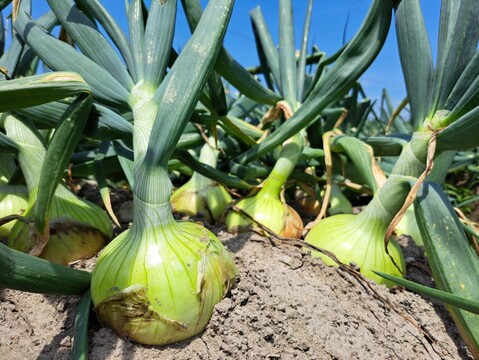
(201, 195)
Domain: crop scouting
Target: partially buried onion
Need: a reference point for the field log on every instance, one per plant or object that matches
(158, 282)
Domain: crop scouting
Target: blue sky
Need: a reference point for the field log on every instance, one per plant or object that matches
(328, 22)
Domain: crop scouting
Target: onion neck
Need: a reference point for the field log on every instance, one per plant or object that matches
(409, 166)
(144, 110)
(389, 200)
(412, 160)
(208, 156)
(152, 183)
(151, 216)
(284, 166)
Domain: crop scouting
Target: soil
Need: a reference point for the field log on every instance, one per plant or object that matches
(284, 305)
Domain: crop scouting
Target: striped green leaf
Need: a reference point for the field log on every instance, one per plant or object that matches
(416, 57)
(136, 24)
(59, 152)
(462, 134)
(386, 145)
(458, 37)
(452, 258)
(465, 94)
(159, 32)
(80, 340)
(213, 96)
(210, 172)
(179, 92)
(103, 123)
(263, 67)
(114, 31)
(217, 94)
(287, 53)
(360, 154)
(28, 61)
(446, 297)
(91, 42)
(125, 157)
(230, 69)
(265, 45)
(39, 89)
(302, 78)
(61, 56)
(11, 57)
(24, 272)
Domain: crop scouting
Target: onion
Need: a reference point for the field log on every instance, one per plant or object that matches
(13, 200)
(268, 209)
(201, 195)
(158, 282)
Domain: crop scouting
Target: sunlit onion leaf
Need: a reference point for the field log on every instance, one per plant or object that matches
(451, 256)
(189, 72)
(416, 57)
(462, 134)
(287, 53)
(265, 45)
(210, 172)
(89, 39)
(302, 76)
(136, 26)
(80, 341)
(29, 273)
(445, 297)
(112, 28)
(230, 69)
(61, 56)
(158, 39)
(59, 152)
(458, 37)
(362, 157)
(39, 89)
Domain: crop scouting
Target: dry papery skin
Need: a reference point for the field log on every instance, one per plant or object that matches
(285, 305)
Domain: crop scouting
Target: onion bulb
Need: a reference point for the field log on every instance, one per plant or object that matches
(266, 208)
(201, 195)
(158, 282)
(13, 200)
(78, 229)
(359, 239)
